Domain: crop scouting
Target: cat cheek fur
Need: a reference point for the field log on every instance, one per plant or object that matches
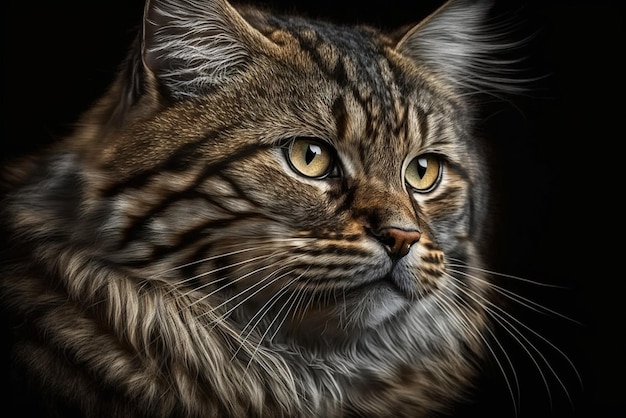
(165, 260)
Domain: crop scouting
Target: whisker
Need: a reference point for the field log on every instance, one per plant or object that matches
(541, 309)
(469, 323)
(213, 257)
(301, 292)
(511, 330)
(294, 305)
(242, 277)
(528, 303)
(244, 250)
(263, 246)
(274, 297)
(247, 289)
(460, 263)
(309, 301)
(501, 315)
(260, 312)
(181, 282)
(235, 280)
(266, 309)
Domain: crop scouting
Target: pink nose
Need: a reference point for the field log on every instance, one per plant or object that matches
(397, 241)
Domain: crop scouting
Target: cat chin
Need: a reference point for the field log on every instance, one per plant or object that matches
(378, 303)
(362, 310)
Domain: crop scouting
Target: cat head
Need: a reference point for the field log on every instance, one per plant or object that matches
(298, 174)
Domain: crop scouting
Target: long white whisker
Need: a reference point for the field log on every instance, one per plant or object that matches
(257, 283)
(245, 338)
(271, 301)
(266, 308)
(213, 271)
(213, 257)
(239, 278)
(460, 263)
(294, 306)
(513, 318)
(511, 330)
(530, 304)
(308, 303)
(469, 323)
(301, 292)
(501, 316)
(274, 297)
(260, 245)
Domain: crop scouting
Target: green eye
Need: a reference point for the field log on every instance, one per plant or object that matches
(311, 157)
(423, 173)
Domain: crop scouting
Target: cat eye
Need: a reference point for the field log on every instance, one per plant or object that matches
(423, 173)
(311, 157)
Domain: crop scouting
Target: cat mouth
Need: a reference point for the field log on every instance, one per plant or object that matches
(385, 284)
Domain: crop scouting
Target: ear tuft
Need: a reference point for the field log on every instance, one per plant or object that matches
(192, 46)
(459, 46)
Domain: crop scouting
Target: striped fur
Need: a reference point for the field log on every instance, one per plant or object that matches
(168, 260)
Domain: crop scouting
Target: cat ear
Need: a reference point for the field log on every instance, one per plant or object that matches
(456, 43)
(191, 46)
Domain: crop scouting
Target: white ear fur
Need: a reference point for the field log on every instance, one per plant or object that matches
(458, 46)
(191, 46)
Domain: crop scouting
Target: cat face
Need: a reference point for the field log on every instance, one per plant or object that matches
(318, 180)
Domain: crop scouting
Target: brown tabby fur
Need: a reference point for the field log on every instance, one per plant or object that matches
(166, 259)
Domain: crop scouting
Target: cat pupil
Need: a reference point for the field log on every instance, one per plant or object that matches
(312, 152)
(422, 166)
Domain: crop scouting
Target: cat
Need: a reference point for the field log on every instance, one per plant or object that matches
(264, 216)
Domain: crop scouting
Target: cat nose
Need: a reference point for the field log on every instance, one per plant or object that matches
(398, 241)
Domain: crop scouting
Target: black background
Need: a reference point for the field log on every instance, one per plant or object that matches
(558, 167)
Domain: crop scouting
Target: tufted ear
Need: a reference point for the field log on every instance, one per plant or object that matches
(190, 46)
(459, 46)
